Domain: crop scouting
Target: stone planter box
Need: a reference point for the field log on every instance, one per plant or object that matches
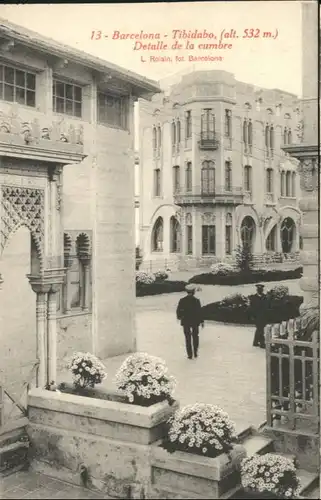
(185, 475)
(109, 439)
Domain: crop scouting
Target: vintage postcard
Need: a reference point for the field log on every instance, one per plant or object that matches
(159, 250)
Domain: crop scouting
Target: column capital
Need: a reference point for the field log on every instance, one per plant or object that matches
(85, 259)
(48, 281)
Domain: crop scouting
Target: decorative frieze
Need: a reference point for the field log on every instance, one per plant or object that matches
(308, 174)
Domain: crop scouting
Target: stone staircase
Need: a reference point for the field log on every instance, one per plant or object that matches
(256, 443)
(14, 448)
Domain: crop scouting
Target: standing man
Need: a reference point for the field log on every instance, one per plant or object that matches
(189, 312)
(258, 304)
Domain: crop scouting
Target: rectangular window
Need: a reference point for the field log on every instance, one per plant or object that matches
(269, 180)
(208, 240)
(75, 284)
(208, 181)
(157, 182)
(228, 176)
(189, 236)
(112, 110)
(208, 125)
(17, 86)
(247, 178)
(67, 98)
(228, 240)
(188, 124)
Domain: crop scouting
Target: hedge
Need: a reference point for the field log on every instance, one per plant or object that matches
(280, 310)
(242, 278)
(159, 287)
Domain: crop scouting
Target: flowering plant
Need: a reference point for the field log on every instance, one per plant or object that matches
(144, 379)
(144, 278)
(203, 429)
(278, 292)
(86, 369)
(270, 473)
(236, 300)
(222, 268)
(161, 275)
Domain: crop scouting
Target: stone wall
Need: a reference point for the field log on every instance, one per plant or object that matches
(74, 334)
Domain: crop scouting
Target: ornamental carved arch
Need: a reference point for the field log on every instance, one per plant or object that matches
(23, 207)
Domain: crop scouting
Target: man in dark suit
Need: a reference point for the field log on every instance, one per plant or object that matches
(189, 312)
(258, 304)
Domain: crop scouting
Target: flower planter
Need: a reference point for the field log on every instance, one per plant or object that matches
(194, 476)
(108, 437)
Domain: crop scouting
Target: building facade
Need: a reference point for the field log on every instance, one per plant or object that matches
(213, 173)
(66, 204)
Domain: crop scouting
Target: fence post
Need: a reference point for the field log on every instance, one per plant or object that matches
(1, 406)
(315, 374)
(292, 404)
(268, 336)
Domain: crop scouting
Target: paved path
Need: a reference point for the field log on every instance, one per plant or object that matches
(29, 484)
(229, 371)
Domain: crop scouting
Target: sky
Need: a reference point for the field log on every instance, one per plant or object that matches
(260, 60)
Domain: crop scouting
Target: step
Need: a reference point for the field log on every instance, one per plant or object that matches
(257, 444)
(13, 457)
(309, 482)
(243, 433)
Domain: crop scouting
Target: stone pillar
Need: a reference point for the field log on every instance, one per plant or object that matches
(41, 290)
(66, 295)
(86, 286)
(197, 234)
(52, 334)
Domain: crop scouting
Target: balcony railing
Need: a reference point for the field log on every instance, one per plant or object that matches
(208, 140)
(206, 195)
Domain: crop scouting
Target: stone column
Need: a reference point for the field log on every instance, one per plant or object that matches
(66, 295)
(85, 300)
(52, 334)
(41, 289)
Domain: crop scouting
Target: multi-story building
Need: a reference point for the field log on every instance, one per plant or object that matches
(213, 173)
(66, 204)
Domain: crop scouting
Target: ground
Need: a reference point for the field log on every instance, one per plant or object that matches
(229, 371)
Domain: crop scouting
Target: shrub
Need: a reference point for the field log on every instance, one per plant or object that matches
(159, 287)
(160, 276)
(239, 311)
(144, 278)
(236, 300)
(278, 292)
(203, 429)
(244, 257)
(241, 278)
(86, 369)
(222, 269)
(270, 473)
(144, 380)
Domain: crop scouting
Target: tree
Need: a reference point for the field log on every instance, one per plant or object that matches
(244, 257)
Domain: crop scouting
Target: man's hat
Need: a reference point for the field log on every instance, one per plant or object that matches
(259, 285)
(190, 288)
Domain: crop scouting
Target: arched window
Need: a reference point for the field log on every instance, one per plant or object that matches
(80, 274)
(208, 178)
(250, 133)
(285, 135)
(159, 136)
(228, 123)
(247, 232)
(189, 179)
(267, 136)
(289, 136)
(270, 243)
(173, 133)
(288, 183)
(154, 138)
(176, 179)
(248, 178)
(189, 234)
(271, 137)
(269, 180)
(178, 131)
(282, 183)
(175, 235)
(245, 138)
(287, 234)
(228, 176)
(157, 235)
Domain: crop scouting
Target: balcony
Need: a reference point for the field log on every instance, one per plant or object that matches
(218, 196)
(208, 141)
